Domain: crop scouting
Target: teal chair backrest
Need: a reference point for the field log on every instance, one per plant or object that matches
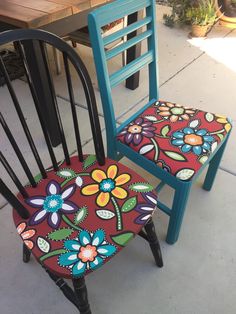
(146, 30)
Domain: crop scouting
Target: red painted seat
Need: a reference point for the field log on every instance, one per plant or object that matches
(176, 138)
(83, 214)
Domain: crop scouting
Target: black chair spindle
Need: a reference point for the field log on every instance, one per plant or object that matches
(62, 134)
(22, 119)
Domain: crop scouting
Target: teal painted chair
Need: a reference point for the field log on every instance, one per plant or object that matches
(173, 142)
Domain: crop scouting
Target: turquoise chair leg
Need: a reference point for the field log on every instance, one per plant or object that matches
(177, 211)
(213, 167)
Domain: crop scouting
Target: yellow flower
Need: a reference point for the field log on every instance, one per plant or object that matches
(223, 120)
(107, 184)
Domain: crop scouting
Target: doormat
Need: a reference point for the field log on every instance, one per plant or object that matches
(13, 64)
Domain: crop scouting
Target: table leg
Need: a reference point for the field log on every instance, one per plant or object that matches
(132, 53)
(41, 84)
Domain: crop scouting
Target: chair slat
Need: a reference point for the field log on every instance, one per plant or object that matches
(131, 68)
(73, 108)
(105, 17)
(13, 175)
(10, 197)
(62, 134)
(36, 101)
(22, 119)
(129, 43)
(125, 31)
(17, 151)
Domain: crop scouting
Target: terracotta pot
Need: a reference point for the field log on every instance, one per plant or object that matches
(199, 30)
(224, 19)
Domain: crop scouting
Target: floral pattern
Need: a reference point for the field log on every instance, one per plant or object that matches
(52, 205)
(223, 120)
(197, 141)
(86, 252)
(26, 235)
(146, 209)
(135, 131)
(182, 141)
(107, 184)
(175, 112)
(72, 235)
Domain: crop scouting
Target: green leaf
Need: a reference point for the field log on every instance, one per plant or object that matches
(129, 204)
(123, 238)
(221, 136)
(38, 177)
(209, 117)
(203, 159)
(66, 173)
(174, 155)
(105, 214)
(89, 161)
(60, 234)
(141, 187)
(165, 130)
(43, 245)
(81, 215)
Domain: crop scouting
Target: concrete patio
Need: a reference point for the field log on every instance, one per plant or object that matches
(199, 273)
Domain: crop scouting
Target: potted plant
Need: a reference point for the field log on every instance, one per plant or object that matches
(201, 16)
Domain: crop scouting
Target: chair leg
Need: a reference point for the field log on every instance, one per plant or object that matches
(213, 167)
(82, 295)
(26, 254)
(153, 242)
(177, 212)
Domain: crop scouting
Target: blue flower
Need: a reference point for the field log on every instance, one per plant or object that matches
(194, 140)
(86, 252)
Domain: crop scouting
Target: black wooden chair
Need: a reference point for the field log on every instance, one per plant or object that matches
(80, 212)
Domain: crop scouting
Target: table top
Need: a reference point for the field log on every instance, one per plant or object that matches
(37, 13)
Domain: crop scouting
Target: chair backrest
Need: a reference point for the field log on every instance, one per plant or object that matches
(143, 29)
(71, 60)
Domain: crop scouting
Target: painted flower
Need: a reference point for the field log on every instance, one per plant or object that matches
(223, 120)
(86, 252)
(194, 140)
(51, 206)
(163, 165)
(136, 130)
(146, 209)
(175, 112)
(26, 235)
(107, 184)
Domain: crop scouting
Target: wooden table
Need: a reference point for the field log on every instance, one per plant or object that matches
(60, 17)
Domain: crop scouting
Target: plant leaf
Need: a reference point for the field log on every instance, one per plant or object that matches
(65, 173)
(43, 245)
(60, 234)
(123, 238)
(129, 204)
(165, 130)
(89, 161)
(174, 155)
(81, 215)
(145, 149)
(105, 214)
(209, 117)
(141, 187)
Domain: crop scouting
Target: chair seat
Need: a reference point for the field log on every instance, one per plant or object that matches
(178, 139)
(83, 214)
